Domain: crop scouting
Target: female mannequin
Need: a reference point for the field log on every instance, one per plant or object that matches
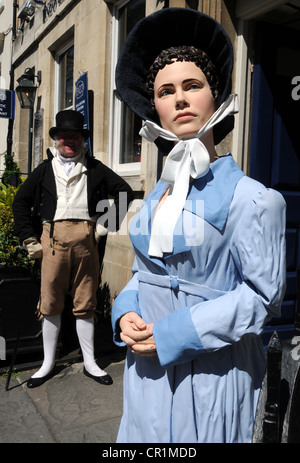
(210, 269)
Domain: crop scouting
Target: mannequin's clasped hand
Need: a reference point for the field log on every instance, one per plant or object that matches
(137, 335)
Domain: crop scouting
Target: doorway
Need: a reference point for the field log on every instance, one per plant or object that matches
(274, 142)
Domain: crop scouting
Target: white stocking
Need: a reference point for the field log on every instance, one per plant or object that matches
(85, 332)
(50, 330)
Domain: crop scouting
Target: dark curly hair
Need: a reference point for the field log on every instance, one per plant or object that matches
(184, 53)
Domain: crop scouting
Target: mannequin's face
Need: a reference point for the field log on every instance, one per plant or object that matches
(69, 143)
(183, 99)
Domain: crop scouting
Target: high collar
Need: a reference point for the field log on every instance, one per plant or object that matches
(52, 152)
(215, 189)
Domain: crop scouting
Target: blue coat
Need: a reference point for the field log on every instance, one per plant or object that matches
(209, 301)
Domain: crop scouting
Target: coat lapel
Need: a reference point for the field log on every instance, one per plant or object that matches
(216, 191)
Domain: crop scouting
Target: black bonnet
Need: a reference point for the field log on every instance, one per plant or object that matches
(164, 29)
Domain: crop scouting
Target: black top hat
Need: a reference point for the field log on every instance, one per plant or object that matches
(161, 30)
(69, 120)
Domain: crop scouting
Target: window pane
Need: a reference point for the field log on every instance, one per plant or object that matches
(131, 140)
(130, 146)
(66, 69)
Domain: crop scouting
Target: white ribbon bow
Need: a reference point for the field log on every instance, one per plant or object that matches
(188, 158)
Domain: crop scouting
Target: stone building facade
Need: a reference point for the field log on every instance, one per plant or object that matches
(65, 39)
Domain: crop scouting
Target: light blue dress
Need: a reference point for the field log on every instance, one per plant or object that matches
(209, 301)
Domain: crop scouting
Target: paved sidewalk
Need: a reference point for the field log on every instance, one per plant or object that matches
(69, 408)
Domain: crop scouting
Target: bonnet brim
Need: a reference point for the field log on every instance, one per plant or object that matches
(159, 31)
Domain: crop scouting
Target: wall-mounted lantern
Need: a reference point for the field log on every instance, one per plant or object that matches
(26, 91)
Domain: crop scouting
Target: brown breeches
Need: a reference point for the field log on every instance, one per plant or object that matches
(70, 265)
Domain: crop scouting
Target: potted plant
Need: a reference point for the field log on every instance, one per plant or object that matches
(13, 258)
(11, 174)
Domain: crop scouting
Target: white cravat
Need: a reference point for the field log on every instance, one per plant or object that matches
(68, 164)
(188, 158)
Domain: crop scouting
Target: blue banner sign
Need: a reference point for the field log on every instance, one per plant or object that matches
(7, 104)
(82, 101)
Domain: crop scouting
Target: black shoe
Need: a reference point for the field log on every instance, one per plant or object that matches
(105, 379)
(36, 382)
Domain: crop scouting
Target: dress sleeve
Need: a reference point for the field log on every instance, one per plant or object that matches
(258, 249)
(126, 301)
